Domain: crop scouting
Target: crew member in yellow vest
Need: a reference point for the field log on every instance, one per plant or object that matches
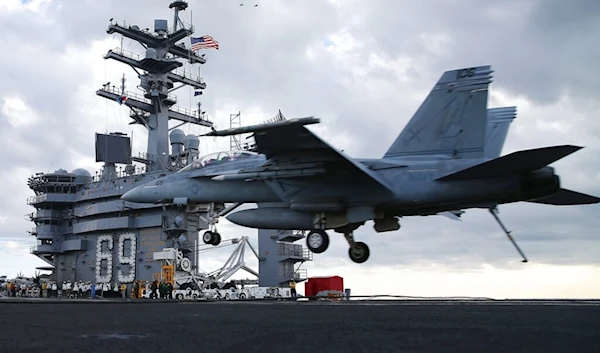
(123, 290)
(293, 288)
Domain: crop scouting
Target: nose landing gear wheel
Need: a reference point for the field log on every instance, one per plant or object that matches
(317, 241)
(207, 237)
(212, 238)
(359, 252)
(217, 239)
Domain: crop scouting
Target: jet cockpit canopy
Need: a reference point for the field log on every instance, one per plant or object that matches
(218, 158)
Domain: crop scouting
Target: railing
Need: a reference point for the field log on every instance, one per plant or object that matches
(134, 96)
(184, 25)
(138, 57)
(127, 54)
(170, 30)
(305, 254)
(130, 95)
(187, 75)
(145, 155)
(121, 172)
(133, 56)
(297, 275)
(37, 199)
(188, 112)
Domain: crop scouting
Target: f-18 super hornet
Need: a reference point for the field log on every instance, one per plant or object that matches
(438, 163)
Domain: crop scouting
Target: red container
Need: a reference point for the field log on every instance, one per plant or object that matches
(315, 285)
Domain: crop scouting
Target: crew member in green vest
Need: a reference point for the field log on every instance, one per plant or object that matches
(136, 289)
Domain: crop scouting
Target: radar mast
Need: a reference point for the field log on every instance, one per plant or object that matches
(159, 71)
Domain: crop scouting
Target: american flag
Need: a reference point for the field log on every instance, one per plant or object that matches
(204, 42)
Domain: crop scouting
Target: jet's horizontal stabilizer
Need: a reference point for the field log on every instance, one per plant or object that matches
(514, 163)
(566, 197)
(263, 127)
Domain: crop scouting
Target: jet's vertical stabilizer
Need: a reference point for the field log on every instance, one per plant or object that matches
(498, 122)
(452, 119)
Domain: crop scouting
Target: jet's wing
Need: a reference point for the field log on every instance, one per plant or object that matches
(294, 151)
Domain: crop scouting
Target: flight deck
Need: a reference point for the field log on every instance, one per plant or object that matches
(324, 326)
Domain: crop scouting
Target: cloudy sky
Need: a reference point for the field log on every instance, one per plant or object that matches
(363, 67)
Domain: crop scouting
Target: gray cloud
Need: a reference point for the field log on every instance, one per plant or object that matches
(275, 56)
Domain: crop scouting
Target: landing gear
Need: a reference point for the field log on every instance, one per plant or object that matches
(211, 237)
(359, 251)
(214, 212)
(494, 212)
(317, 241)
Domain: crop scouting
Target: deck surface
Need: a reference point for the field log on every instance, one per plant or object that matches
(377, 326)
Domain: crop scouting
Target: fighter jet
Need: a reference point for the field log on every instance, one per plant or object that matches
(440, 162)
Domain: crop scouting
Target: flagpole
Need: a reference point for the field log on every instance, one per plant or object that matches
(190, 55)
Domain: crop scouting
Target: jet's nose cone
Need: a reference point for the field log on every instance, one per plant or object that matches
(137, 194)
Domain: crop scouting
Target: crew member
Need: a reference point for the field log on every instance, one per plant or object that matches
(136, 289)
(153, 288)
(293, 288)
(169, 291)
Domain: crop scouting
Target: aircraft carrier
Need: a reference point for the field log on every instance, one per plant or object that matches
(85, 232)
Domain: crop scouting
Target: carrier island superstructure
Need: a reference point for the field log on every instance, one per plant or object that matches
(85, 232)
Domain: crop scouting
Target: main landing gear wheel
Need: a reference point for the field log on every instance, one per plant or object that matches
(359, 252)
(212, 238)
(317, 241)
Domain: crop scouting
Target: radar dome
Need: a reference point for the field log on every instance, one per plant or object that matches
(81, 172)
(192, 142)
(177, 136)
(82, 175)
